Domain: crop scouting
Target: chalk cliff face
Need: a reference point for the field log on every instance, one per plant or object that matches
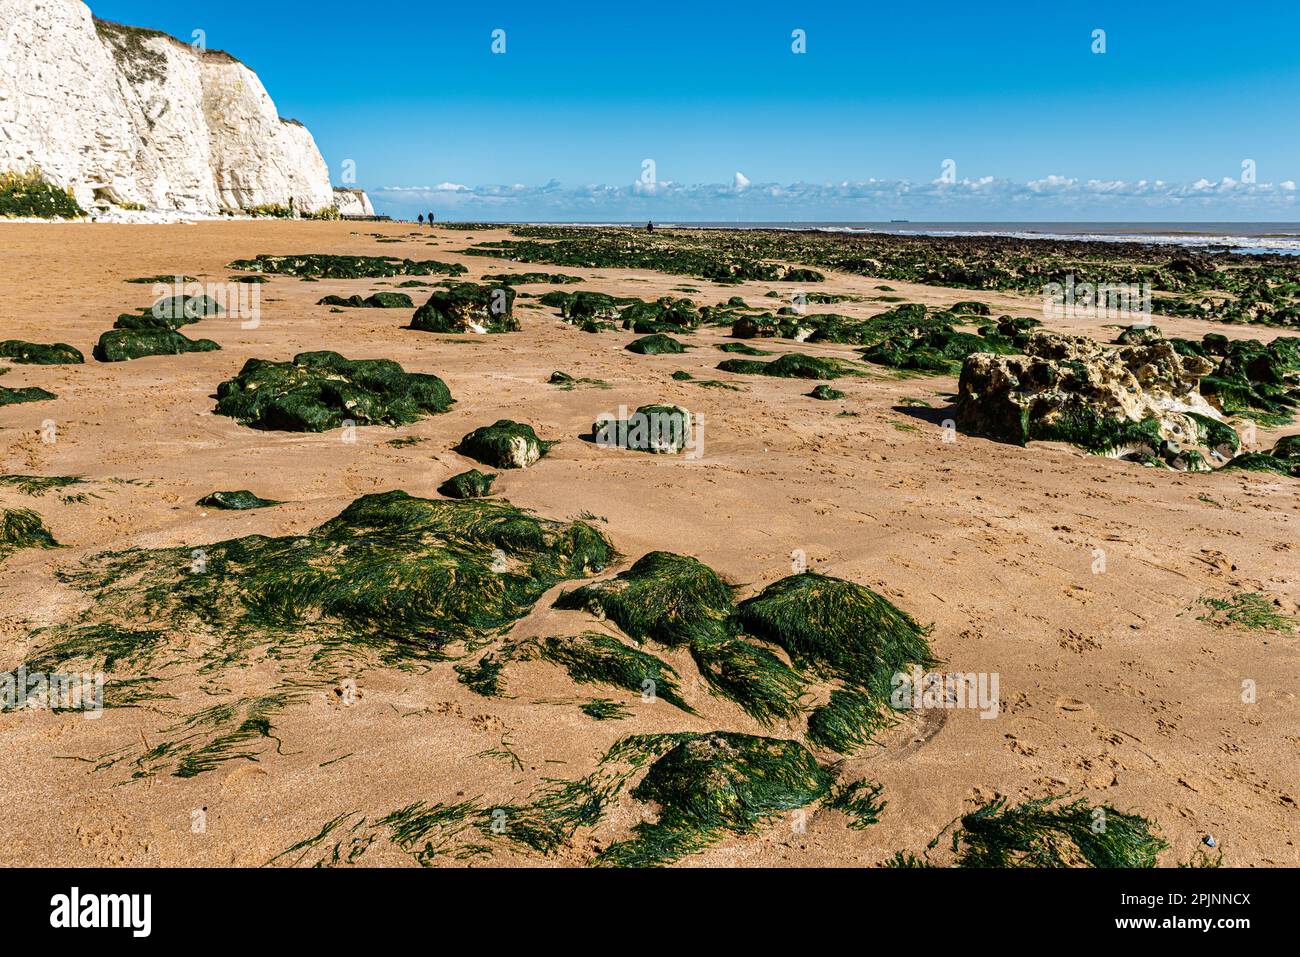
(352, 202)
(135, 117)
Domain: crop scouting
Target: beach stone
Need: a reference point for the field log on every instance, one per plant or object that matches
(1061, 380)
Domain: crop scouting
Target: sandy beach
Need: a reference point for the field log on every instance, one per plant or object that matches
(1112, 687)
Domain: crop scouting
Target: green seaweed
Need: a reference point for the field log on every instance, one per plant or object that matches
(668, 598)
(1045, 833)
(847, 721)
(825, 393)
(1247, 610)
(837, 628)
(766, 687)
(23, 528)
(713, 784)
(860, 800)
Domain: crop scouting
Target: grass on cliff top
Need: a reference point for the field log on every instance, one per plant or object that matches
(29, 194)
(319, 391)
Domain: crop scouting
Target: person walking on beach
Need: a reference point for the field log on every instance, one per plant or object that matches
(649, 227)
(431, 219)
(421, 218)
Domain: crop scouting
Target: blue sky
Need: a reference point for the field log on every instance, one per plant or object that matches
(856, 128)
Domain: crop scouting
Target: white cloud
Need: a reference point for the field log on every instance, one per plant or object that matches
(1052, 196)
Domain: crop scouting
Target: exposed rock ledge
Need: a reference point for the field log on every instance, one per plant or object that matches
(140, 120)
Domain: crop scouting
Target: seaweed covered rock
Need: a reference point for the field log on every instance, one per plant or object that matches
(662, 429)
(825, 393)
(1252, 378)
(755, 327)
(120, 345)
(657, 344)
(170, 312)
(792, 365)
(41, 354)
(504, 445)
(18, 396)
(318, 391)
(663, 314)
(471, 484)
(404, 577)
(380, 300)
(234, 501)
(1074, 389)
(715, 783)
(468, 307)
(1139, 333)
(583, 305)
(322, 266)
(530, 278)
(1282, 459)
(669, 598)
(740, 348)
(837, 628)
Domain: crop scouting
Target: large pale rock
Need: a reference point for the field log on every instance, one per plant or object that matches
(1062, 380)
(131, 116)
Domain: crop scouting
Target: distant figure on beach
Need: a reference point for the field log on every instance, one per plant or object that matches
(431, 219)
(649, 227)
(421, 218)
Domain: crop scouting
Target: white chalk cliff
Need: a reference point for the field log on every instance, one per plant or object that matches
(134, 117)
